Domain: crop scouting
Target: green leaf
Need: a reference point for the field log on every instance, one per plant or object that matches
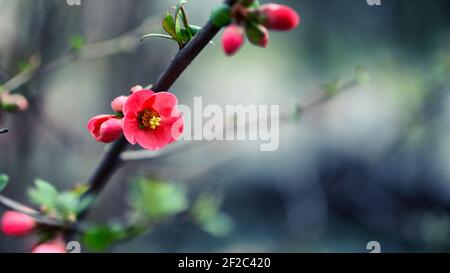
(205, 212)
(156, 199)
(158, 35)
(195, 29)
(255, 4)
(4, 179)
(100, 238)
(67, 204)
(219, 226)
(221, 16)
(44, 194)
(332, 88)
(24, 66)
(77, 42)
(169, 25)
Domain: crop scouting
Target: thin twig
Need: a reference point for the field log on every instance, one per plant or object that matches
(4, 131)
(122, 44)
(40, 218)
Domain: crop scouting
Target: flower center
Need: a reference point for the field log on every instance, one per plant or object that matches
(149, 119)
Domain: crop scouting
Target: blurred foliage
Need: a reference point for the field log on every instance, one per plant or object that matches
(157, 199)
(153, 202)
(77, 42)
(4, 179)
(59, 205)
(102, 237)
(206, 213)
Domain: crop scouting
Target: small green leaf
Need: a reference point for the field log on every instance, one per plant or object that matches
(255, 4)
(219, 226)
(44, 194)
(332, 88)
(169, 25)
(67, 204)
(195, 29)
(221, 16)
(100, 238)
(157, 35)
(24, 66)
(77, 42)
(4, 179)
(156, 199)
(205, 212)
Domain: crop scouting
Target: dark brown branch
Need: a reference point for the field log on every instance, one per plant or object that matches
(40, 218)
(181, 61)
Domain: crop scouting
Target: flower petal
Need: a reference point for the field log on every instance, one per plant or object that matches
(162, 102)
(136, 100)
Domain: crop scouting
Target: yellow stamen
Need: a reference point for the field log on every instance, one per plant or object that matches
(149, 119)
(154, 122)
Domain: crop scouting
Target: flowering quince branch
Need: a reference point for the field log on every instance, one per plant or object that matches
(181, 61)
(148, 117)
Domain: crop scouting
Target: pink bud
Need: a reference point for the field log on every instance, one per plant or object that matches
(136, 88)
(105, 128)
(50, 247)
(232, 39)
(14, 102)
(17, 224)
(118, 103)
(279, 17)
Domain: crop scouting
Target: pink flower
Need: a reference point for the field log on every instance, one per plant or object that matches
(279, 17)
(118, 103)
(232, 39)
(152, 119)
(56, 246)
(17, 224)
(105, 128)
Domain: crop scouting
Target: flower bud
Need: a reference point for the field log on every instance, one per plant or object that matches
(105, 128)
(13, 102)
(136, 88)
(279, 17)
(232, 39)
(17, 224)
(50, 247)
(257, 34)
(118, 103)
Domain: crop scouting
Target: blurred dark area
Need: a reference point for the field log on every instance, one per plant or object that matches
(370, 164)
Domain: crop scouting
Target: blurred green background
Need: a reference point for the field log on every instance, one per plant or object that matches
(372, 163)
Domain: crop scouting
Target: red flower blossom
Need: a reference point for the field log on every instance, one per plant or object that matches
(152, 119)
(279, 17)
(17, 224)
(232, 39)
(56, 246)
(105, 128)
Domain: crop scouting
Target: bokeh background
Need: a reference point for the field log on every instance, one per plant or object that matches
(371, 163)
